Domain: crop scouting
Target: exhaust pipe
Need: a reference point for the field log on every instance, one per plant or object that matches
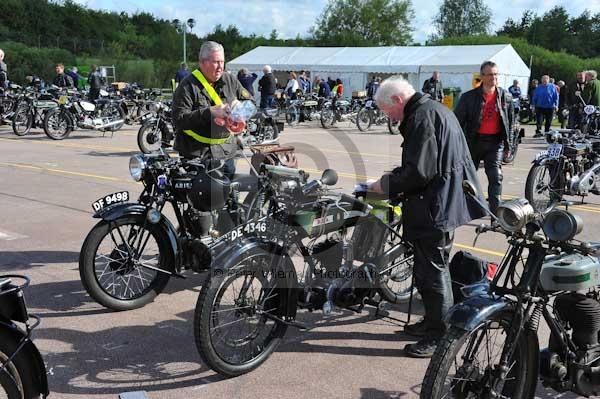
(104, 126)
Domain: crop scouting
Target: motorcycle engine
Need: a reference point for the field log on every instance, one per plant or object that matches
(582, 313)
(329, 256)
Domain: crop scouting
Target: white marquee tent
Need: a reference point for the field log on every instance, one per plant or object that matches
(355, 65)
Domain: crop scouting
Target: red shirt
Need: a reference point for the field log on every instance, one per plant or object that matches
(490, 117)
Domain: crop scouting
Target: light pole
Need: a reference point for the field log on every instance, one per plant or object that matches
(183, 28)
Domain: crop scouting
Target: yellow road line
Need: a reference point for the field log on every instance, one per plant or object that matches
(65, 172)
(69, 145)
(483, 251)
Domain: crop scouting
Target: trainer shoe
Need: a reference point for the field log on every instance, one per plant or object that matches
(416, 329)
(422, 349)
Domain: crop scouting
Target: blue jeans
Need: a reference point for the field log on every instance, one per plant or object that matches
(266, 101)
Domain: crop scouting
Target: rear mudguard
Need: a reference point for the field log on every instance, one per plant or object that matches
(30, 353)
(114, 212)
(225, 257)
(474, 310)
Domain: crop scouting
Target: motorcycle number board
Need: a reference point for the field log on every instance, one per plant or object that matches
(110, 199)
(554, 150)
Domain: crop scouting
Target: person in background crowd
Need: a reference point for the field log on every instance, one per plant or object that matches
(3, 72)
(267, 85)
(532, 87)
(181, 74)
(433, 87)
(562, 103)
(35, 82)
(304, 82)
(61, 79)
(95, 81)
(545, 101)
(435, 162)
(552, 81)
(591, 93)
(292, 86)
(486, 115)
(330, 82)
(372, 87)
(324, 88)
(338, 88)
(247, 80)
(74, 75)
(515, 92)
(574, 100)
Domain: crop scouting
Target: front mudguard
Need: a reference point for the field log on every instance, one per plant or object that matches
(227, 255)
(474, 310)
(118, 211)
(31, 355)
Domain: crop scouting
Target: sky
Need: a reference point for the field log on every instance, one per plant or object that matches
(293, 17)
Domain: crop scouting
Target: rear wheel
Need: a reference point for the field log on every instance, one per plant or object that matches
(465, 363)
(118, 262)
(57, 124)
(364, 119)
(292, 115)
(396, 273)
(544, 185)
(328, 117)
(22, 119)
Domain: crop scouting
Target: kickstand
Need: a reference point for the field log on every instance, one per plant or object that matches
(385, 314)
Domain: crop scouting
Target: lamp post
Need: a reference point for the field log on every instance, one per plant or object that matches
(182, 26)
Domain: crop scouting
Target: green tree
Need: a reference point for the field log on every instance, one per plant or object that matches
(364, 23)
(462, 18)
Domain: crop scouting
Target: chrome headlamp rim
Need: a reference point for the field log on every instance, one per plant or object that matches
(514, 214)
(562, 225)
(137, 166)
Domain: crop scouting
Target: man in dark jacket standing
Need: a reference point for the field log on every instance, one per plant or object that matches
(95, 81)
(433, 87)
(205, 95)
(574, 100)
(266, 86)
(486, 116)
(3, 72)
(435, 162)
(181, 74)
(247, 79)
(61, 79)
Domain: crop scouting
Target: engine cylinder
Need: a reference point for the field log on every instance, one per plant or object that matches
(583, 314)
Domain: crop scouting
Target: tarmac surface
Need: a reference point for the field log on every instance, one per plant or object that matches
(46, 188)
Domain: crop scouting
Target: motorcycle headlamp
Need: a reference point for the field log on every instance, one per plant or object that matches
(561, 225)
(513, 215)
(589, 109)
(553, 137)
(137, 166)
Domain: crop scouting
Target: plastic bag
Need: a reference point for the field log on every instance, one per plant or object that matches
(238, 116)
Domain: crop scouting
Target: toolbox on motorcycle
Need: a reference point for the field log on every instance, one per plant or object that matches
(466, 269)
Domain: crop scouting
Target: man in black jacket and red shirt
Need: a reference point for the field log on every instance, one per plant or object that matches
(486, 115)
(435, 162)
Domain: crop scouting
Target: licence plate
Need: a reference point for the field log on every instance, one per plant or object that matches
(554, 150)
(369, 103)
(110, 199)
(252, 228)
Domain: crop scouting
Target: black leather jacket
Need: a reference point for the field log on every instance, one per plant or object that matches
(468, 113)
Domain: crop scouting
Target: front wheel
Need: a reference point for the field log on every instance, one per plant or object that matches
(234, 326)
(268, 131)
(119, 260)
(544, 185)
(465, 363)
(149, 138)
(292, 115)
(510, 155)
(57, 124)
(22, 120)
(364, 119)
(393, 127)
(328, 117)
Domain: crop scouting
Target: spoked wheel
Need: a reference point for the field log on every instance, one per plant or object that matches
(232, 324)
(268, 132)
(328, 117)
(364, 119)
(149, 138)
(393, 126)
(292, 115)
(544, 185)
(57, 124)
(114, 113)
(17, 378)
(465, 363)
(22, 120)
(118, 263)
(396, 272)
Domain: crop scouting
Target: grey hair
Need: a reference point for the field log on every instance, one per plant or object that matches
(393, 86)
(1, 52)
(486, 64)
(592, 74)
(208, 48)
(267, 69)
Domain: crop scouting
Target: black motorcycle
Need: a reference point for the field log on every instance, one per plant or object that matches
(129, 256)
(514, 138)
(353, 254)
(526, 111)
(370, 115)
(8, 103)
(262, 127)
(491, 349)
(157, 129)
(304, 108)
(22, 369)
(570, 166)
(31, 110)
(340, 110)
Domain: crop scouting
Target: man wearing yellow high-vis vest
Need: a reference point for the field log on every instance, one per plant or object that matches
(203, 96)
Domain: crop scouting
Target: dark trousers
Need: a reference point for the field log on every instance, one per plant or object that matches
(266, 101)
(432, 279)
(488, 149)
(574, 118)
(545, 115)
(94, 94)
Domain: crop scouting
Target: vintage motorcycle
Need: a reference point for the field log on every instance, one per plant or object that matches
(262, 127)
(305, 108)
(339, 111)
(491, 349)
(22, 369)
(526, 112)
(157, 129)
(130, 254)
(74, 112)
(8, 102)
(353, 254)
(570, 166)
(31, 109)
(514, 139)
(370, 115)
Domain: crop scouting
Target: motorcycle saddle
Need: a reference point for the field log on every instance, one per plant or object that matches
(245, 182)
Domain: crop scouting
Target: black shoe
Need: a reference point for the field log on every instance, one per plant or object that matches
(416, 330)
(537, 135)
(422, 349)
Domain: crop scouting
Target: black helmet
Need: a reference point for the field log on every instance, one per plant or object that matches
(208, 192)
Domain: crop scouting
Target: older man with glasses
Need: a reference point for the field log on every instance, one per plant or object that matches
(486, 116)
